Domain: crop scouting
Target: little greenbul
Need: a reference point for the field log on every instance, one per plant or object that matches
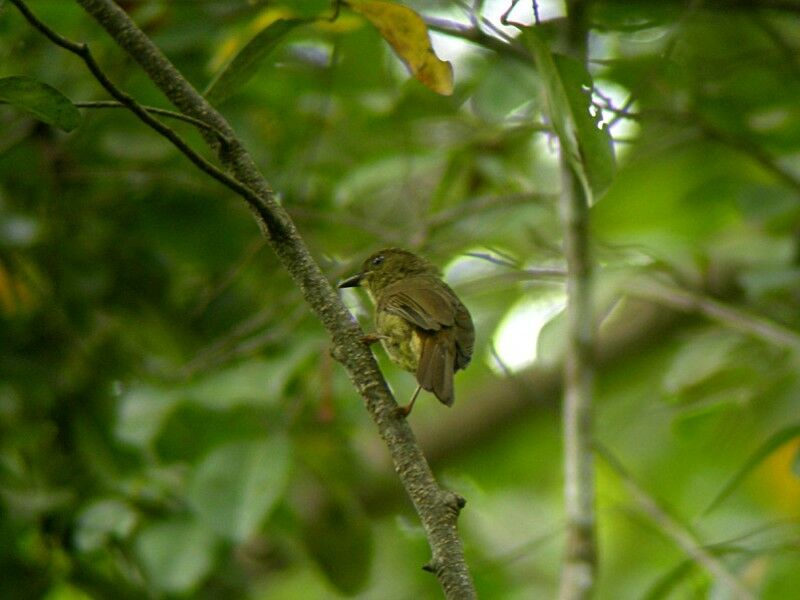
(421, 323)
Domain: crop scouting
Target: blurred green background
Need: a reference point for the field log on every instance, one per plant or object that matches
(171, 423)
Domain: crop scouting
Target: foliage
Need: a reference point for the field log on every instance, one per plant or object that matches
(170, 420)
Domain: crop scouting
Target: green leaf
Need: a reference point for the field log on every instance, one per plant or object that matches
(503, 88)
(664, 585)
(407, 34)
(175, 555)
(142, 411)
(339, 538)
(191, 431)
(102, 520)
(699, 359)
(255, 381)
(63, 591)
(775, 441)
(248, 60)
(43, 101)
(702, 418)
(237, 485)
(568, 91)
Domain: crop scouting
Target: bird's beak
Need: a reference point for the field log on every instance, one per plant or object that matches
(353, 281)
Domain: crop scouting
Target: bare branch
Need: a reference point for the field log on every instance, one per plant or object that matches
(477, 36)
(732, 140)
(673, 529)
(481, 203)
(532, 272)
(153, 111)
(579, 570)
(740, 320)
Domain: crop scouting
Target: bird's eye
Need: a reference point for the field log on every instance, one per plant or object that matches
(377, 260)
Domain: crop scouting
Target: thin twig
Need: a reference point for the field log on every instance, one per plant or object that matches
(481, 203)
(153, 110)
(749, 148)
(737, 142)
(477, 36)
(500, 362)
(533, 272)
(673, 529)
(82, 50)
(229, 277)
(735, 318)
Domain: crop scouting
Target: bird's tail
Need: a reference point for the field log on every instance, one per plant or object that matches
(436, 365)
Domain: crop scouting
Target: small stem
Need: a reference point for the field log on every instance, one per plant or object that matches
(477, 36)
(673, 529)
(155, 111)
(740, 320)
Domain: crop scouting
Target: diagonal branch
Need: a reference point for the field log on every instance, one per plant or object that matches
(753, 325)
(477, 36)
(438, 508)
(673, 529)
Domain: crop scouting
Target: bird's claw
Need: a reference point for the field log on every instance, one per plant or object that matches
(371, 338)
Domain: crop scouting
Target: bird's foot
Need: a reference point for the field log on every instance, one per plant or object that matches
(371, 338)
(404, 411)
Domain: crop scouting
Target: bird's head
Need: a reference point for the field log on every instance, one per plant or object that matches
(387, 266)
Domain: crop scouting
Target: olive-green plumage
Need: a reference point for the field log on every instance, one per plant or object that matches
(422, 324)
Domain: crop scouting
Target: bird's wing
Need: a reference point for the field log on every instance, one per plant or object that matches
(421, 304)
(465, 337)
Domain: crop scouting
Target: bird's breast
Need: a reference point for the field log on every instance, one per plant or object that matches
(401, 340)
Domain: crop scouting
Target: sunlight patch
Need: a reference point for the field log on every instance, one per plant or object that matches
(517, 335)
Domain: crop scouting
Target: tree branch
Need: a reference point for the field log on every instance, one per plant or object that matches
(753, 325)
(580, 561)
(677, 532)
(697, 120)
(477, 36)
(438, 509)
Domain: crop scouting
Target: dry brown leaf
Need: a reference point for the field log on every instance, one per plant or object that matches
(408, 36)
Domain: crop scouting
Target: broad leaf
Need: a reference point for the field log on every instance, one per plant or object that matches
(568, 91)
(666, 584)
(701, 357)
(175, 555)
(101, 521)
(45, 102)
(248, 60)
(408, 36)
(775, 441)
(237, 485)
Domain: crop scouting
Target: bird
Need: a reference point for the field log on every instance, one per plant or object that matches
(421, 323)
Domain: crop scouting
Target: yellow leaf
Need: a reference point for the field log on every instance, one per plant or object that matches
(229, 46)
(779, 483)
(407, 34)
(342, 24)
